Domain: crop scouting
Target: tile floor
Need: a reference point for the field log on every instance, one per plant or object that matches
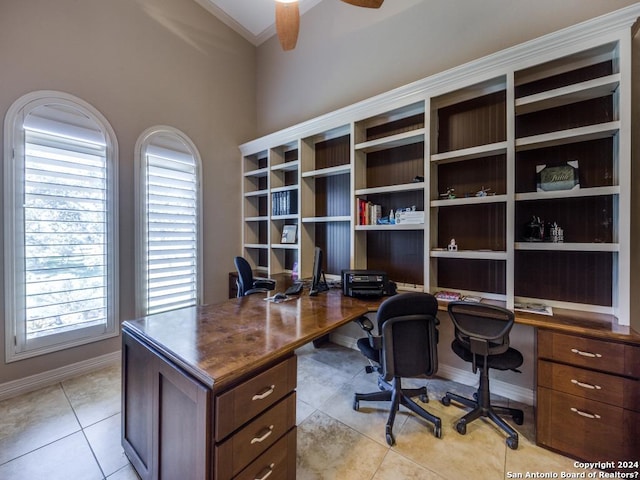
(71, 430)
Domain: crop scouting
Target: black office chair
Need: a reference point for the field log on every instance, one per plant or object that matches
(405, 347)
(482, 338)
(247, 284)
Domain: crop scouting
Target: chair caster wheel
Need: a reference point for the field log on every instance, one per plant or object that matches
(446, 401)
(461, 427)
(424, 398)
(356, 405)
(389, 436)
(390, 440)
(518, 418)
(437, 431)
(512, 443)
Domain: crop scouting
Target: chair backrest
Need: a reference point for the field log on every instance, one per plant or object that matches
(408, 325)
(481, 328)
(245, 275)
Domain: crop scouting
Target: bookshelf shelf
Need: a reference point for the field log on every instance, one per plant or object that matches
(393, 141)
(406, 187)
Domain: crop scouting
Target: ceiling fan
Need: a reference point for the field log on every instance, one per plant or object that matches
(288, 19)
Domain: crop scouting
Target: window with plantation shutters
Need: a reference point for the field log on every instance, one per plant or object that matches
(60, 247)
(168, 221)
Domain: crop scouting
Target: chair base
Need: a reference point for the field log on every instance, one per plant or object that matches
(394, 393)
(482, 408)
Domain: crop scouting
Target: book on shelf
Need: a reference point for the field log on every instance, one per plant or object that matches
(368, 213)
(284, 203)
(538, 308)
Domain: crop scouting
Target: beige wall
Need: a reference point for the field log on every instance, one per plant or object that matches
(141, 63)
(346, 54)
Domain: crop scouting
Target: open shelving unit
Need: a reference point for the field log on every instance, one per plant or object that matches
(569, 110)
(469, 190)
(255, 208)
(389, 171)
(325, 186)
(465, 147)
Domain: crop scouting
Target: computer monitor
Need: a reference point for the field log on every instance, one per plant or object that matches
(318, 283)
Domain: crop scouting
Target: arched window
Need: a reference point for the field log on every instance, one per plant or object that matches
(168, 224)
(61, 257)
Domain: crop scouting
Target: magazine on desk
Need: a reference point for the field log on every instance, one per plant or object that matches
(538, 308)
(447, 296)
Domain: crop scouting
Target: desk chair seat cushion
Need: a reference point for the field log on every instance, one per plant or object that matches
(509, 360)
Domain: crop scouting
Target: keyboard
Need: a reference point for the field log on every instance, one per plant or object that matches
(294, 289)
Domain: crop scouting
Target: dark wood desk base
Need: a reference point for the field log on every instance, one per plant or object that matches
(209, 392)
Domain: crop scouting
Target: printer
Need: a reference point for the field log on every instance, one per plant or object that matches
(366, 283)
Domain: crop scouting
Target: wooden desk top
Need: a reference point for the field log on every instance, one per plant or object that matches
(220, 343)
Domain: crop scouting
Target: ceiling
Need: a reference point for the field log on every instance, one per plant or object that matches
(253, 19)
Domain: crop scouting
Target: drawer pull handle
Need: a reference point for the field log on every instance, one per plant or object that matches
(586, 354)
(585, 414)
(586, 385)
(267, 474)
(264, 436)
(265, 394)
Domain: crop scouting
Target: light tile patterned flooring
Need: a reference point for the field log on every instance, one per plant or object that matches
(71, 430)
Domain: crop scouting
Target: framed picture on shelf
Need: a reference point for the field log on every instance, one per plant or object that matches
(559, 177)
(289, 234)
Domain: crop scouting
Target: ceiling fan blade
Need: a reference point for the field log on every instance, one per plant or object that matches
(287, 24)
(365, 3)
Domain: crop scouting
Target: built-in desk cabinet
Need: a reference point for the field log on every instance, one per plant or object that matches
(186, 430)
(588, 402)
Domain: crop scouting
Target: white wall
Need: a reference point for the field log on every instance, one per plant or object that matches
(141, 63)
(346, 54)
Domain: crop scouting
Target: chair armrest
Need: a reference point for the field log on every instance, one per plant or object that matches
(365, 324)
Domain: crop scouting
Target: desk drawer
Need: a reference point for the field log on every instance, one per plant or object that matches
(597, 386)
(256, 437)
(587, 429)
(240, 404)
(584, 352)
(277, 463)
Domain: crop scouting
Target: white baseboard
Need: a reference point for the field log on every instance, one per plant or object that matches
(498, 387)
(344, 340)
(51, 377)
